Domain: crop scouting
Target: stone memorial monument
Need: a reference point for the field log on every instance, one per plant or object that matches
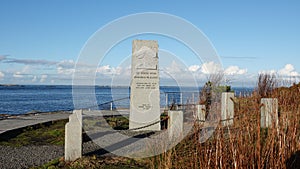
(144, 87)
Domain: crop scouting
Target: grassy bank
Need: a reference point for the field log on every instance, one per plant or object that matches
(51, 133)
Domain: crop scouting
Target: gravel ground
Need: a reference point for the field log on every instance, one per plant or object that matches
(29, 156)
(33, 155)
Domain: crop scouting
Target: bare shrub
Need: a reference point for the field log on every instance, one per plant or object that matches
(265, 85)
(209, 91)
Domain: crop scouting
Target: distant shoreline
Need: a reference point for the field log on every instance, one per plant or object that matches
(8, 85)
(105, 86)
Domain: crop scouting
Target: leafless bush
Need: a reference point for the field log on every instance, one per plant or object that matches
(265, 85)
(209, 92)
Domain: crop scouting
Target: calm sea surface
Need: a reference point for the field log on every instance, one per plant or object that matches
(32, 98)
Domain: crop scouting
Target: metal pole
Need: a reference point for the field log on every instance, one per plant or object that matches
(181, 98)
(167, 105)
(193, 98)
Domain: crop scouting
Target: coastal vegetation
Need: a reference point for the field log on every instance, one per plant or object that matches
(245, 144)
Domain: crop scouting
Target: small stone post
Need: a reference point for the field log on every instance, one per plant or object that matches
(268, 112)
(227, 108)
(200, 113)
(73, 136)
(175, 124)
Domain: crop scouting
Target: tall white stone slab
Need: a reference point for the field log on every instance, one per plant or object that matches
(200, 113)
(175, 124)
(73, 136)
(144, 94)
(268, 112)
(227, 105)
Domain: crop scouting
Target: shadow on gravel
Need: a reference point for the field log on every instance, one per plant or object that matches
(116, 146)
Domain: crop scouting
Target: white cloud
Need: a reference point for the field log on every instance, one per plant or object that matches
(288, 74)
(288, 70)
(43, 78)
(234, 70)
(28, 61)
(34, 79)
(210, 68)
(109, 70)
(174, 68)
(66, 64)
(65, 67)
(194, 68)
(1, 75)
(18, 75)
(65, 71)
(178, 73)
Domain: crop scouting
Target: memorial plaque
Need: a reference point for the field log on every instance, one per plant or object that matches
(144, 87)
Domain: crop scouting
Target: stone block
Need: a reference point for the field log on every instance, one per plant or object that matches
(175, 125)
(73, 136)
(200, 113)
(268, 112)
(227, 105)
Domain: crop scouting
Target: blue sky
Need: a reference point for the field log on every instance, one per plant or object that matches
(41, 40)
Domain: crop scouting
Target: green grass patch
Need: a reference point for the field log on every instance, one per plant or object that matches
(118, 122)
(51, 133)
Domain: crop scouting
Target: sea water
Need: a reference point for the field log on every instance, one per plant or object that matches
(22, 99)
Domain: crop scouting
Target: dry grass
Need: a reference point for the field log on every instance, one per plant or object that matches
(245, 144)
